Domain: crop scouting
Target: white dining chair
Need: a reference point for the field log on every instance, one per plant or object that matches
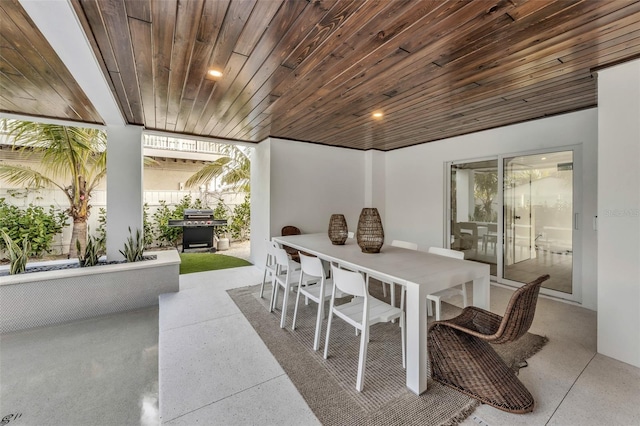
(436, 298)
(270, 266)
(313, 269)
(361, 312)
(287, 277)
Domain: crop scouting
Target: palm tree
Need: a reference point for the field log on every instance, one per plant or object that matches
(234, 168)
(74, 160)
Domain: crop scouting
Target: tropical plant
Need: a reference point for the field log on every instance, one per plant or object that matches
(221, 212)
(234, 169)
(73, 160)
(91, 252)
(33, 223)
(241, 220)
(18, 256)
(485, 189)
(133, 247)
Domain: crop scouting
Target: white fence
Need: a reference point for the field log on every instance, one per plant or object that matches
(55, 197)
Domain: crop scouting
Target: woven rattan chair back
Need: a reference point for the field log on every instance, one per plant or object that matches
(519, 313)
(291, 230)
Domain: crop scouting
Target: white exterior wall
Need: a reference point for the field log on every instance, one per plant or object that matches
(415, 180)
(619, 212)
(311, 182)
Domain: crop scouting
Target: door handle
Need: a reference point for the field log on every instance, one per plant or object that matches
(516, 217)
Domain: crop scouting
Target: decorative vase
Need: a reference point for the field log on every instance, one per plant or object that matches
(370, 234)
(338, 229)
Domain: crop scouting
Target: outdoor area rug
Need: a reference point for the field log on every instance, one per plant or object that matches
(328, 386)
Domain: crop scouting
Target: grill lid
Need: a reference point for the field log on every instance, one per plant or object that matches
(198, 214)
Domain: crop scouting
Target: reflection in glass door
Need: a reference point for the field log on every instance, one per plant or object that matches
(474, 211)
(516, 214)
(538, 219)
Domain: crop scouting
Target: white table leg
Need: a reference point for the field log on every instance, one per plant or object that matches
(481, 287)
(416, 329)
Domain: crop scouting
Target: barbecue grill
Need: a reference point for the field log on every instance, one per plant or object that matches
(197, 228)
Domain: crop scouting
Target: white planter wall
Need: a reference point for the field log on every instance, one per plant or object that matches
(45, 298)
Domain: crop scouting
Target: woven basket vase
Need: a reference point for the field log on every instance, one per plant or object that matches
(370, 234)
(338, 231)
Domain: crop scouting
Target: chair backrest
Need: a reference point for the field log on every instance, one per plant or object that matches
(281, 257)
(349, 282)
(311, 266)
(290, 230)
(446, 252)
(271, 247)
(520, 311)
(404, 244)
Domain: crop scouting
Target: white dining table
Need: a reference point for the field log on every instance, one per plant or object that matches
(421, 273)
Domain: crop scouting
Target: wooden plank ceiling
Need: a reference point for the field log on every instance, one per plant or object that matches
(316, 70)
(33, 80)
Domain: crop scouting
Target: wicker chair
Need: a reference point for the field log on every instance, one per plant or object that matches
(461, 357)
(291, 230)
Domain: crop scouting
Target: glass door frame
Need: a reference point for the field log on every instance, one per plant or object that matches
(576, 295)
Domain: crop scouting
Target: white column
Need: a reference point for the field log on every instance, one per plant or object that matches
(260, 201)
(124, 186)
(619, 212)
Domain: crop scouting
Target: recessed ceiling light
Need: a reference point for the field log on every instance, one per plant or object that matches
(543, 158)
(215, 73)
(377, 114)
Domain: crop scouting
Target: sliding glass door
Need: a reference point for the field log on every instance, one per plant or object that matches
(474, 211)
(517, 213)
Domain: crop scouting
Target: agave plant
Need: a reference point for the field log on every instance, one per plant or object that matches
(18, 256)
(134, 247)
(91, 252)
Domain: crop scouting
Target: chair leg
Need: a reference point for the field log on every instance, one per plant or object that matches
(264, 279)
(384, 289)
(326, 342)
(362, 361)
(295, 310)
(274, 296)
(438, 305)
(285, 302)
(403, 340)
(429, 308)
(319, 317)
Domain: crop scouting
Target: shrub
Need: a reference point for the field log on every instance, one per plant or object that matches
(101, 232)
(34, 223)
(240, 224)
(221, 212)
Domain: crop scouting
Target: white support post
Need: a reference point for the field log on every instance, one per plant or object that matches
(124, 186)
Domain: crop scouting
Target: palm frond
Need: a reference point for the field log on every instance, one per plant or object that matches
(20, 175)
(208, 172)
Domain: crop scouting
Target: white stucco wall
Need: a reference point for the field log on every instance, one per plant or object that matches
(415, 185)
(619, 212)
(311, 182)
(302, 184)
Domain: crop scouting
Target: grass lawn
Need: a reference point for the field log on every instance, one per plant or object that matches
(199, 262)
